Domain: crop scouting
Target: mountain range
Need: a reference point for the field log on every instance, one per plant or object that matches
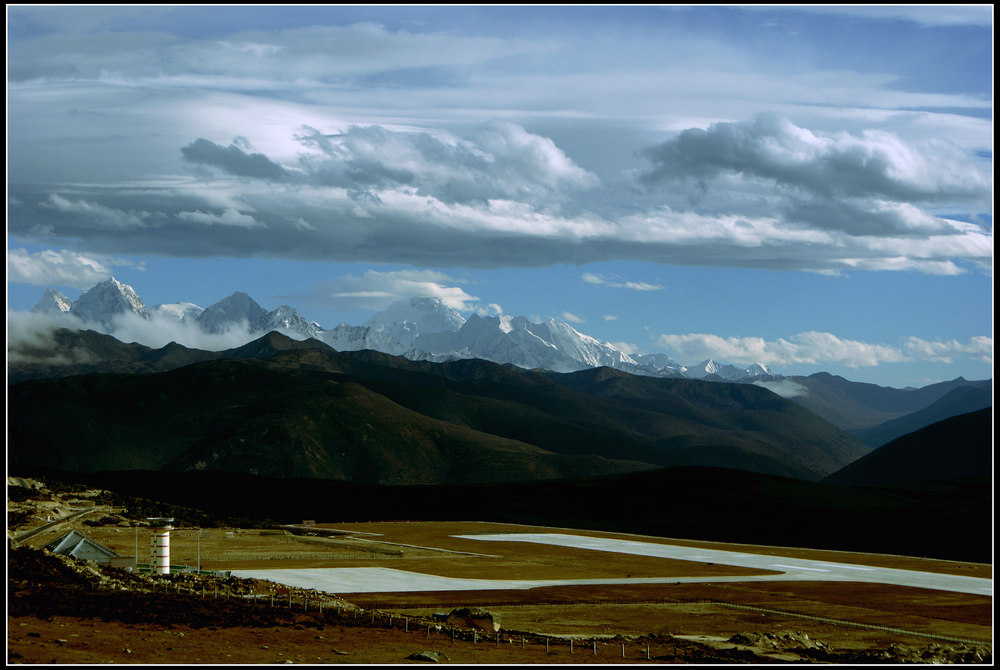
(421, 328)
(425, 329)
(285, 407)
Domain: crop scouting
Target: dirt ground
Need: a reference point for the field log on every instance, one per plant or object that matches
(71, 624)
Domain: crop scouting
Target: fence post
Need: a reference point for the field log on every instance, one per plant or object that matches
(475, 637)
(571, 646)
(522, 642)
(647, 652)
(623, 650)
(546, 645)
(595, 647)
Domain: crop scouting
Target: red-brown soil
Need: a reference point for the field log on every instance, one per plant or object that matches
(56, 613)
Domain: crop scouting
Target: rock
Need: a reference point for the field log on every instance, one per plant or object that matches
(428, 656)
(474, 617)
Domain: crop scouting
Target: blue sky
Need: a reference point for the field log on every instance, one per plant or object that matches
(809, 187)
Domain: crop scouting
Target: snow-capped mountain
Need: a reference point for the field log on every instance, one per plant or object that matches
(356, 338)
(415, 328)
(286, 320)
(238, 310)
(661, 364)
(726, 371)
(505, 339)
(405, 320)
(105, 301)
(178, 311)
(53, 301)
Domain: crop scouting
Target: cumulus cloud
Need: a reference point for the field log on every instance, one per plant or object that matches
(819, 348)
(867, 183)
(503, 161)
(55, 268)
(980, 348)
(377, 290)
(773, 195)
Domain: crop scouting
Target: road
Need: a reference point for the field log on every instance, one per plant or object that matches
(387, 580)
(44, 527)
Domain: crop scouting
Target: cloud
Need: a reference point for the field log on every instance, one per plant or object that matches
(768, 194)
(571, 318)
(863, 184)
(377, 290)
(233, 159)
(98, 215)
(980, 348)
(503, 161)
(819, 348)
(55, 268)
(610, 317)
(228, 217)
(785, 388)
(618, 282)
(30, 335)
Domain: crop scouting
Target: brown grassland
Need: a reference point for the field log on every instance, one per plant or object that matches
(609, 623)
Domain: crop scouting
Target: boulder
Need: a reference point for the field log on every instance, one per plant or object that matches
(474, 617)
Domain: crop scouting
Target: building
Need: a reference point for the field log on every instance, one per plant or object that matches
(78, 545)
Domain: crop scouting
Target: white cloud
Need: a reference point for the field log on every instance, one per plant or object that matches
(100, 216)
(610, 317)
(377, 290)
(55, 268)
(228, 217)
(980, 347)
(785, 388)
(571, 318)
(625, 347)
(618, 282)
(819, 348)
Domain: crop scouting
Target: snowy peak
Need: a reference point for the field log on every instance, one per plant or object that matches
(405, 320)
(53, 302)
(178, 311)
(236, 310)
(287, 320)
(727, 371)
(102, 303)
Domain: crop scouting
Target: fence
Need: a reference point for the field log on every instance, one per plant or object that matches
(711, 602)
(312, 601)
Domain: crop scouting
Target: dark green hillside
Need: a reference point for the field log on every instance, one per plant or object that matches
(956, 448)
(249, 416)
(300, 409)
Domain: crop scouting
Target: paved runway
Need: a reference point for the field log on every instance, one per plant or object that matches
(387, 580)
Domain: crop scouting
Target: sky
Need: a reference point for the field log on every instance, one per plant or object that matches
(809, 187)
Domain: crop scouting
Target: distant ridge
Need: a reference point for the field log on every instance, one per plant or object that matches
(960, 447)
(294, 408)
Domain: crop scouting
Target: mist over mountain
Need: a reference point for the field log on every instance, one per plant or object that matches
(420, 328)
(425, 329)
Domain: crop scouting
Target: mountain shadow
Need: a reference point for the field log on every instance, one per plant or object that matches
(960, 447)
(287, 408)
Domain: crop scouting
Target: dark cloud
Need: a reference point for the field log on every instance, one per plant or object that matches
(507, 197)
(771, 147)
(233, 160)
